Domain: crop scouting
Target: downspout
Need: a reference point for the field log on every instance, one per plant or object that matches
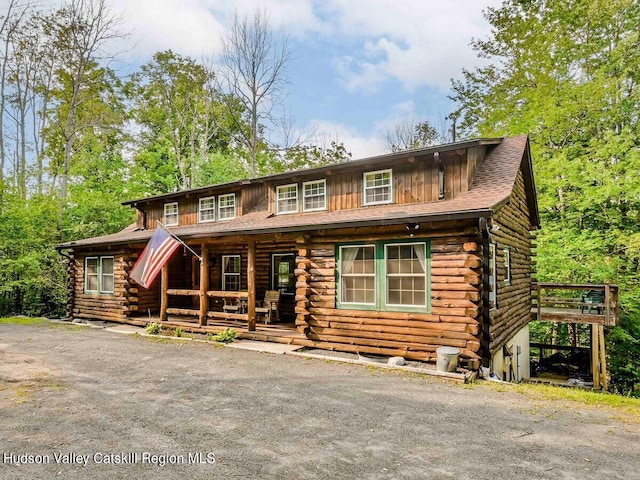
(483, 224)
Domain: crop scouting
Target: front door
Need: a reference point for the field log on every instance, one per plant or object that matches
(283, 279)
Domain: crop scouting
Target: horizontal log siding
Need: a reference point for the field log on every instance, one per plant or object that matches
(514, 301)
(100, 306)
(455, 297)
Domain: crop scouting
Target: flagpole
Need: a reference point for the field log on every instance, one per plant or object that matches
(179, 240)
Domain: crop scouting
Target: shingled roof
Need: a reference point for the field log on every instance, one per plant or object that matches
(492, 187)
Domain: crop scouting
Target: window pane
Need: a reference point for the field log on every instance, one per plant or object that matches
(207, 209)
(406, 282)
(92, 266)
(315, 195)
(107, 265)
(91, 274)
(107, 283)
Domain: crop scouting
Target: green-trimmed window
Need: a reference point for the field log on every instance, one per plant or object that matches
(98, 275)
(391, 275)
(358, 274)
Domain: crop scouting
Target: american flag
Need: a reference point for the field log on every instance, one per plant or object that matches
(155, 255)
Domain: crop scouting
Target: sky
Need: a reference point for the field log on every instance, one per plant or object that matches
(357, 66)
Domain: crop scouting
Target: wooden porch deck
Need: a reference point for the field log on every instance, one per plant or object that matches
(273, 332)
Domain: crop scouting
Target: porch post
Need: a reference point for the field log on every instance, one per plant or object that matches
(251, 286)
(164, 297)
(204, 284)
(595, 356)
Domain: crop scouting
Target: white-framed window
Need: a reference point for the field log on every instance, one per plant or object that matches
(287, 198)
(358, 274)
(493, 277)
(207, 209)
(314, 195)
(171, 214)
(98, 274)
(406, 274)
(377, 187)
(227, 206)
(507, 266)
(385, 275)
(231, 272)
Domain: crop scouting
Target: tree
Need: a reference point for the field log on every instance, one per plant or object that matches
(79, 32)
(254, 63)
(409, 133)
(568, 73)
(184, 119)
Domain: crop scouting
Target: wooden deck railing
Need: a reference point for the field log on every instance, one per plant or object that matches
(183, 292)
(576, 303)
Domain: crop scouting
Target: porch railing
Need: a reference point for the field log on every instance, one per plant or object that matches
(576, 303)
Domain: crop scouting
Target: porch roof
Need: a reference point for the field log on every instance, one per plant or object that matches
(492, 187)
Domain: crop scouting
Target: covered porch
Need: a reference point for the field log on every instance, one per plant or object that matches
(241, 282)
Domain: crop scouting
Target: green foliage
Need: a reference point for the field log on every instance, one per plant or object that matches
(154, 328)
(303, 157)
(183, 119)
(178, 332)
(567, 73)
(228, 335)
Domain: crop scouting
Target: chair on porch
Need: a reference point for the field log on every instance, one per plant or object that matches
(230, 305)
(269, 309)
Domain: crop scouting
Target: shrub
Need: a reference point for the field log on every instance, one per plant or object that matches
(228, 335)
(178, 332)
(154, 328)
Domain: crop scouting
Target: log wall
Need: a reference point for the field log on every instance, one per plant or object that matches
(514, 301)
(113, 307)
(455, 297)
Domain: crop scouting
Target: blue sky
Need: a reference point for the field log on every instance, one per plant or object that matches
(357, 65)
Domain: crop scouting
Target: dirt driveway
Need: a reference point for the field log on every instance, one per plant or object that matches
(106, 397)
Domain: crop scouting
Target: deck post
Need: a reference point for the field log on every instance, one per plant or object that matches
(204, 284)
(607, 304)
(595, 356)
(603, 359)
(251, 286)
(164, 296)
(538, 302)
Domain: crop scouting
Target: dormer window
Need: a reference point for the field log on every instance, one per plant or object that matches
(287, 198)
(227, 206)
(207, 210)
(171, 214)
(377, 187)
(314, 195)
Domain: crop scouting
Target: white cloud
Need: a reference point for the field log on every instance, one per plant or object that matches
(417, 43)
(359, 144)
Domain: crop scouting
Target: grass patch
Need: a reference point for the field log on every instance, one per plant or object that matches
(36, 321)
(629, 406)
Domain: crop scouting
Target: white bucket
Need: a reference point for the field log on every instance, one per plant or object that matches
(447, 359)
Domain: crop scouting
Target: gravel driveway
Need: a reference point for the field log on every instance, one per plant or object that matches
(191, 411)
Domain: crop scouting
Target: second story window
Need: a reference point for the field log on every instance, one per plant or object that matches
(171, 214)
(314, 195)
(207, 209)
(227, 206)
(287, 198)
(377, 187)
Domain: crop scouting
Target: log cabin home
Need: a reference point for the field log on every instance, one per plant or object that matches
(393, 255)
